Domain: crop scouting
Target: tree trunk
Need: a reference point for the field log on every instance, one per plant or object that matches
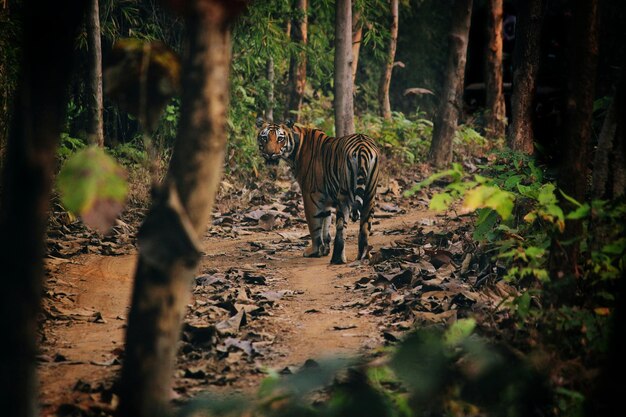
(385, 80)
(601, 176)
(577, 130)
(495, 107)
(619, 154)
(297, 63)
(168, 239)
(269, 110)
(609, 168)
(451, 97)
(344, 101)
(96, 123)
(526, 60)
(49, 32)
(357, 38)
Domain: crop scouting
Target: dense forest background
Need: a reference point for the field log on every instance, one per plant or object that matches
(506, 114)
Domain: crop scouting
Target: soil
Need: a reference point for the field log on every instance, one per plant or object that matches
(312, 317)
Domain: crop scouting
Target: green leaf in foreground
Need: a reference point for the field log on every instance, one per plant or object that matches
(490, 196)
(93, 186)
(440, 202)
(459, 331)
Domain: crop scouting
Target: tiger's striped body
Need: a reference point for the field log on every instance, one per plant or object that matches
(340, 173)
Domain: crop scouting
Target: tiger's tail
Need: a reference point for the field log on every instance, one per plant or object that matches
(362, 172)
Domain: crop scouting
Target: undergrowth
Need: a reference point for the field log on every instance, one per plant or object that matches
(519, 216)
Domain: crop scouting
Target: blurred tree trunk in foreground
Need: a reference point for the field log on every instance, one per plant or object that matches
(169, 237)
(451, 95)
(49, 34)
(297, 63)
(344, 100)
(385, 81)
(526, 60)
(494, 106)
(96, 120)
(576, 134)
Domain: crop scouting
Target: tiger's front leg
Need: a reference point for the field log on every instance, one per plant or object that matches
(316, 217)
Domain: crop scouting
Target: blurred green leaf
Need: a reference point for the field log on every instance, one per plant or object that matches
(459, 331)
(440, 202)
(580, 213)
(546, 194)
(485, 223)
(490, 196)
(93, 186)
(421, 362)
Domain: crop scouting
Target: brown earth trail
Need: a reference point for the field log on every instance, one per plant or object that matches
(83, 335)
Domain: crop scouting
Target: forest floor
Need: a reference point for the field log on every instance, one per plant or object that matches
(257, 303)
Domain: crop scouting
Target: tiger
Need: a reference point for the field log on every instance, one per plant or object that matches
(333, 172)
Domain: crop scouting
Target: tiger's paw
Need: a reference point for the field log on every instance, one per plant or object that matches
(365, 255)
(313, 252)
(338, 259)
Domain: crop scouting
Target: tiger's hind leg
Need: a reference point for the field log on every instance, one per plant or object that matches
(326, 234)
(364, 231)
(339, 253)
(316, 214)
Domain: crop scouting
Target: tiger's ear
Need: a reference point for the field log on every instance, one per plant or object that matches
(289, 123)
(259, 122)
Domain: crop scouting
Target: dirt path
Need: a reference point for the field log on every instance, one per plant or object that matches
(92, 292)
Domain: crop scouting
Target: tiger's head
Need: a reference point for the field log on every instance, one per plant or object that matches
(276, 141)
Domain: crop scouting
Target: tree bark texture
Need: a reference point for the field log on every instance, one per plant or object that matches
(269, 110)
(577, 129)
(49, 32)
(385, 80)
(609, 165)
(168, 239)
(451, 96)
(494, 95)
(526, 60)
(297, 63)
(344, 100)
(96, 109)
(357, 39)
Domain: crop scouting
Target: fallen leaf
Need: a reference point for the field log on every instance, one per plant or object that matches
(231, 326)
(345, 327)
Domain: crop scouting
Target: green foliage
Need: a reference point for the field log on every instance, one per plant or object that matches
(455, 174)
(143, 19)
(457, 373)
(165, 135)
(519, 214)
(458, 332)
(93, 186)
(467, 135)
(490, 196)
(317, 112)
(130, 154)
(407, 138)
(69, 146)
(432, 372)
